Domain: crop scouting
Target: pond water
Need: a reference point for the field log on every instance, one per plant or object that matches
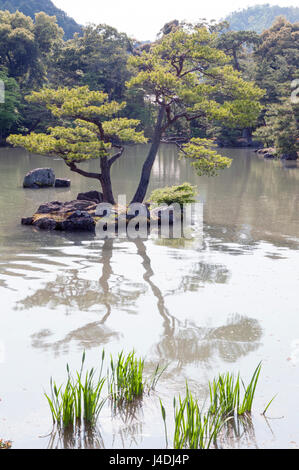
(221, 305)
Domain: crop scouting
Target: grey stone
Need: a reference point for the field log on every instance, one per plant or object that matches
(49, 207)
(269, 155)
(289, 156)
(62, 183)
(27, 221)
(94, 196)
(39, 178)
(46, 224)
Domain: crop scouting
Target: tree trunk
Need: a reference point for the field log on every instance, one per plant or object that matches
(105, 180)
(247, 134)
(236, 62)
(148, 164)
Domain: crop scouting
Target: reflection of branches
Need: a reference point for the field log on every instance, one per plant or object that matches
(203, 273)
(90, 335)
(71, 291)
(192, 343)
(169, 320)
(107, 272)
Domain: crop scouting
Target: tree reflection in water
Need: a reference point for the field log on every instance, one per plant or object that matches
(180, 343)
(183, 342)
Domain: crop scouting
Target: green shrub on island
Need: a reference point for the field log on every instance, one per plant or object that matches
(183, 194)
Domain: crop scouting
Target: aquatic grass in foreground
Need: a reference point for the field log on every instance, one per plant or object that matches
(126, 382)
(226, 391)
(80, 400)
(126, 378)
(193, 428)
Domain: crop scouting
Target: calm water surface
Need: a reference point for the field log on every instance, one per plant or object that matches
(223, 305)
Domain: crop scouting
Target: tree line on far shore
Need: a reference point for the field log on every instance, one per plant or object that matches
(34, 55)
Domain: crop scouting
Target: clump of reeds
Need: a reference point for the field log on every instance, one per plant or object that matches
(126, 382)
(80, 401)
(229, 395)
(193, 429)
(126, 378)
(230, 401)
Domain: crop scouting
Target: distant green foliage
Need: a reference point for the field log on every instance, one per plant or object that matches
(260, 17)
(276, 58)
(282, 128)
(98, 59)
(9, 114)
(31, 7)
(26, 46)
(183, 194)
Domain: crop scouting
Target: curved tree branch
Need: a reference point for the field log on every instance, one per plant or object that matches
(73, 167)
(116, 156)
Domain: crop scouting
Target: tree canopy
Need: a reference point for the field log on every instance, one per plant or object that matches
(88, 130)
(26, 45)
(188, 78)
(9, 109)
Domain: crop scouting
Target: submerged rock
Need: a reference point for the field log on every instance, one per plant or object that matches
(289, 156)
(269, 155)
(39, 178)
(27, 221)
(62, 183)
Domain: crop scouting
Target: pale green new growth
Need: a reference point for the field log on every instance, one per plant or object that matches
(205, 160)
(189, 78)
(88, 130)
(183, 194)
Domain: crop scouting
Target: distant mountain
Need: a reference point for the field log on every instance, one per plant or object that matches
(260, 17)
(30, 7)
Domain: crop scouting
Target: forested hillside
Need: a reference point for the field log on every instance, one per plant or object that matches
(33, 55)
(31, 7)
(260, 17)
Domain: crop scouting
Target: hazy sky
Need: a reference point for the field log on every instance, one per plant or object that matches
(144, 19)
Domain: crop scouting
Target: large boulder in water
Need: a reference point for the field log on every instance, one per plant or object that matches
(39, 178)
